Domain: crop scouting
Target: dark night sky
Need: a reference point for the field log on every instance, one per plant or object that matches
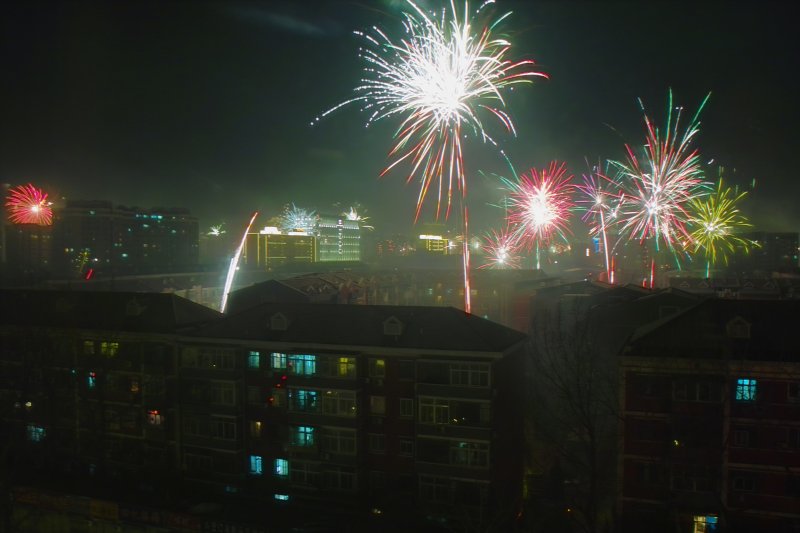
(207, 105)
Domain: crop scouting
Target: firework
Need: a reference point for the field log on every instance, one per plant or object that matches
(440, 78)
(540, 204)
(29, 205)
(501, 250)
(296, 218)
(216, 230)
(353, 214)
(658, 186)
(234, 265)
(600, 197)
(714, 220)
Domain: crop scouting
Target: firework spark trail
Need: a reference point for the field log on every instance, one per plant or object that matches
(297, 218)
(29, 205)
(353, 214)
(539, 205)
(234, 264)
(501, 250)
(601, 197)
(439, 78)
(715, 220)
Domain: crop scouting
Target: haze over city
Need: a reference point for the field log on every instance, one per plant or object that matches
(208, 105)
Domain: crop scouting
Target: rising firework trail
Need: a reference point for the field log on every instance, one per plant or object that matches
(658, 185)
(439, 78)
(539, 205)
(600, 199)
(29, 205)
(715, 220)
(234, 264)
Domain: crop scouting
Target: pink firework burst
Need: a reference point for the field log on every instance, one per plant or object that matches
(501, 250)
(29, 205)
(540, 204)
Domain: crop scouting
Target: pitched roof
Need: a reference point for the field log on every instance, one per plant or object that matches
(722, 328)
(434, 328)
(118, 311)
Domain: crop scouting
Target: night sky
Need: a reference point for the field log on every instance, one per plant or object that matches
(207, 105)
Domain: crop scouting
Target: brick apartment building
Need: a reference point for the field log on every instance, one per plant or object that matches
(405, 415)
(710, 432)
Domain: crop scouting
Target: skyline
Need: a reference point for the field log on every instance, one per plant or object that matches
(207, 105)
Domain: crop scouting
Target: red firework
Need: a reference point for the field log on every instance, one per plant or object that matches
(29, 205)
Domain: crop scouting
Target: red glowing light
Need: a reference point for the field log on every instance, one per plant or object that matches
(29, 205)
(89, 274)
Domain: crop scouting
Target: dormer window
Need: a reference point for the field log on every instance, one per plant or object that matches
(392, 326)
(278, 322)
(738, 328)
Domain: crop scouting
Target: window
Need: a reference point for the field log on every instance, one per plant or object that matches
(109, 349)
(223, 393)
(254, 395)
(88, 347)
(407, 447)
(745, 390)
(377, 443)
(303, 400)
(278, 398)
(691, 478)
(469, 453)
(340, 478)
(255, 428)
(155, 418)
(134, 385)
(281, 468)
(256, 465)
(339, 403)
(302, 436)
(377, 405)
(434, 411)
(304, 473)
(336, 440)
(281, 497)
(742, 438)
(278, 361)
(435, 489)
(193, 462)
(346, 367)
(743, 482)
(91, 380)
(705, 524)
(36, 433)
(405, 370)
(793, 392)
(222, 428)
(253, 359)
(696, 391)
(470, 375)
(406, 407)
(302, 365)
(377, 368)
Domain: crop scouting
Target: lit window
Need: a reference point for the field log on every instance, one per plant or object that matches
(278, 360)
(256, 465)
(134, 385)
(303, 400)
(155, 418)
(255, 428)
(705, 524)
(303, 436)
(253, 359)
(346, 367)
(35, 433)
(281, 467)
(303, 364)
(91, 380)
(377, 368)
(745, 390)
(109, 349)
(281, 497)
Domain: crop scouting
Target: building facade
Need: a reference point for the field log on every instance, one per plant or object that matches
(338, 239)
(709, 439)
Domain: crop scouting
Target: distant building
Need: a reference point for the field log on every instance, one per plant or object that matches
(123, 240)
(710, 403)
(338, 239)
(29, 248)
(773, 252)
(267, 251)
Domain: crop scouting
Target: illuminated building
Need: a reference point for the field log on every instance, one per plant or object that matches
(124, 239)
(773, 252)
(28, 248)
(338, 239)
(710, 401)
(433, 239)
(267, 250)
